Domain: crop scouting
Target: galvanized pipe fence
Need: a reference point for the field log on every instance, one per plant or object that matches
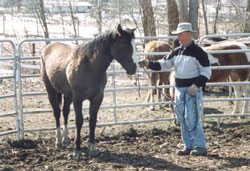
(11, 61)
(18, 94)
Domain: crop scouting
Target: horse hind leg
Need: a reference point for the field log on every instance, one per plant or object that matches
(160, 98)
(152, 98)
(238, 93)
(55, 98)
(247, 101)
(66, 110)
(246, 90)
(159, 94)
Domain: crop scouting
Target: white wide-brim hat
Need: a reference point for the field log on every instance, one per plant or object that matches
(183, 27)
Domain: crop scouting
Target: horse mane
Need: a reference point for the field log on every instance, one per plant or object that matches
(101, 41)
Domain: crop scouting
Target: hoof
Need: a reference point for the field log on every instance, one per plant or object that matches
(161, 107)
(66, 141)
(152, 108)
(241, 117)
(58, 145)
(94, 153)
(176, 123)
(78, 154)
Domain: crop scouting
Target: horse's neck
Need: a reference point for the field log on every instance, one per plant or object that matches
(100, 54)
(102, 61)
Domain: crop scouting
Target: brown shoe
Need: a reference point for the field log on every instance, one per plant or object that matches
(184, 152)
(199, 151)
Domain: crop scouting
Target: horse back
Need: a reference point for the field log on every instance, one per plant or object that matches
(157, 46)
(56, 50)
(230, 59)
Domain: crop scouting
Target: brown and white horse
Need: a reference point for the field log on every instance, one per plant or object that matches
(235, 74)
(157, 78)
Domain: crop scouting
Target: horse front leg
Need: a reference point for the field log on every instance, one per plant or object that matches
(238, 93)
(152, 91)
(93, 110)
(79, 122)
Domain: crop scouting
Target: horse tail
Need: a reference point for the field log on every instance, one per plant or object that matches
(59, 98)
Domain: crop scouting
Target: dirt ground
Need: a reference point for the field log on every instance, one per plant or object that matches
(139, 147)
(147, 146)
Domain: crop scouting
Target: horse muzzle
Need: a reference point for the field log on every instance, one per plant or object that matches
(131, 70)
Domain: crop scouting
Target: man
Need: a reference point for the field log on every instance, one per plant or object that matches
(192, 69)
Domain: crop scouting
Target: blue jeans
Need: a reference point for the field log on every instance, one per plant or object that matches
(191, 130)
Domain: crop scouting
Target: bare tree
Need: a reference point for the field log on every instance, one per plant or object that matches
(43, 18)
(99, 15)
(248, 6)
(148, 20)
(193, 16)
(218, 7)
(73, 20)
(183, 10)
(247, 23)
(173, 15)
(39, 8)
(132, 13)
(204, 15)
(119, 10)
(63, 27)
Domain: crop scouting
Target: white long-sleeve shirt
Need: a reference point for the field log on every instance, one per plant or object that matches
(190, 63)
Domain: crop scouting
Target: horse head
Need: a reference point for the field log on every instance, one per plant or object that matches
(123, 49)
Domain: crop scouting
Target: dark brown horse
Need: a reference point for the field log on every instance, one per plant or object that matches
(157, 78)
(80, 74)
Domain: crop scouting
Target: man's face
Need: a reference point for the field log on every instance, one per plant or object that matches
(184, 37)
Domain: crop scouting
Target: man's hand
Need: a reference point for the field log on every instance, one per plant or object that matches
(192, 90)
(143, 63)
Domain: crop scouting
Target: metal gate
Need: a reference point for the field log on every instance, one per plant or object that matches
(29, 111)
(25, 69)
(8, 95)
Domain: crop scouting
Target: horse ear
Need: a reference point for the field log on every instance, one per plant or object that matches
(119, 29)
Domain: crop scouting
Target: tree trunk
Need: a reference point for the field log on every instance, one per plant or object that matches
(173, 15)
(43, 18)
(248, 6)
(204, 16)
(62, 20)
(73, 20)
(247, 23)
(119, 10)
(148, 20)
(99, 15)
(218, 7)
(131, 11)
(193, 17)
(183, 10)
